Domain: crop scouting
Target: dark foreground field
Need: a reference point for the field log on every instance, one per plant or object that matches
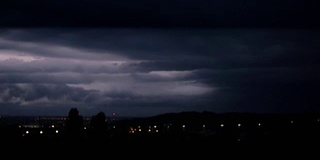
(188, 136)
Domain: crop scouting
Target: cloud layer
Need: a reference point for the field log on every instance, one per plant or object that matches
(144, 72)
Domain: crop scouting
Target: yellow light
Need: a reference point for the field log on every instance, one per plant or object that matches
(149, 130)
(139, 129)
(52, 126)
(157, 130)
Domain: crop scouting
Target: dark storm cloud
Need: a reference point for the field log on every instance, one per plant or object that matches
(43, 94)
(167, 13)
(28, 64)
(151, 71)
(293, 98)
(237, 47)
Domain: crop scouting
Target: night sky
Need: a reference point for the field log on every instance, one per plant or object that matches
(144, 58)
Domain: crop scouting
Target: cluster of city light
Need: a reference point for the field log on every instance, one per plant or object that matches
(132, 130)
(154, 128)
(150, 129)
(139, 129)
(30, 126)
(53, 118)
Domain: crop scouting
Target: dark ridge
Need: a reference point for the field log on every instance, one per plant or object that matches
(183, 134)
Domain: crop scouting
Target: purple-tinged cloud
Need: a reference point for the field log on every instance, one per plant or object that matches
(153, 71)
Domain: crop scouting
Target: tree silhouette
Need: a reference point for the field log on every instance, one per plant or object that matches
(74, 124)
(98, 125)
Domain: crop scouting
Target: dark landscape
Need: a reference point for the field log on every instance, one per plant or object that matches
(188, 131)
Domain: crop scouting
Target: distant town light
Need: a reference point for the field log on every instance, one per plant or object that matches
(154, 126)
(222, 125)
(259, 124)
(157, 130)
(291, 122)
(239, 125)
(204, 126)
(113, 127)
(27, 132)
(57, 131)
(52, 126)
(84, 127)
(183, 126)
(149, 130)
(41, 132)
